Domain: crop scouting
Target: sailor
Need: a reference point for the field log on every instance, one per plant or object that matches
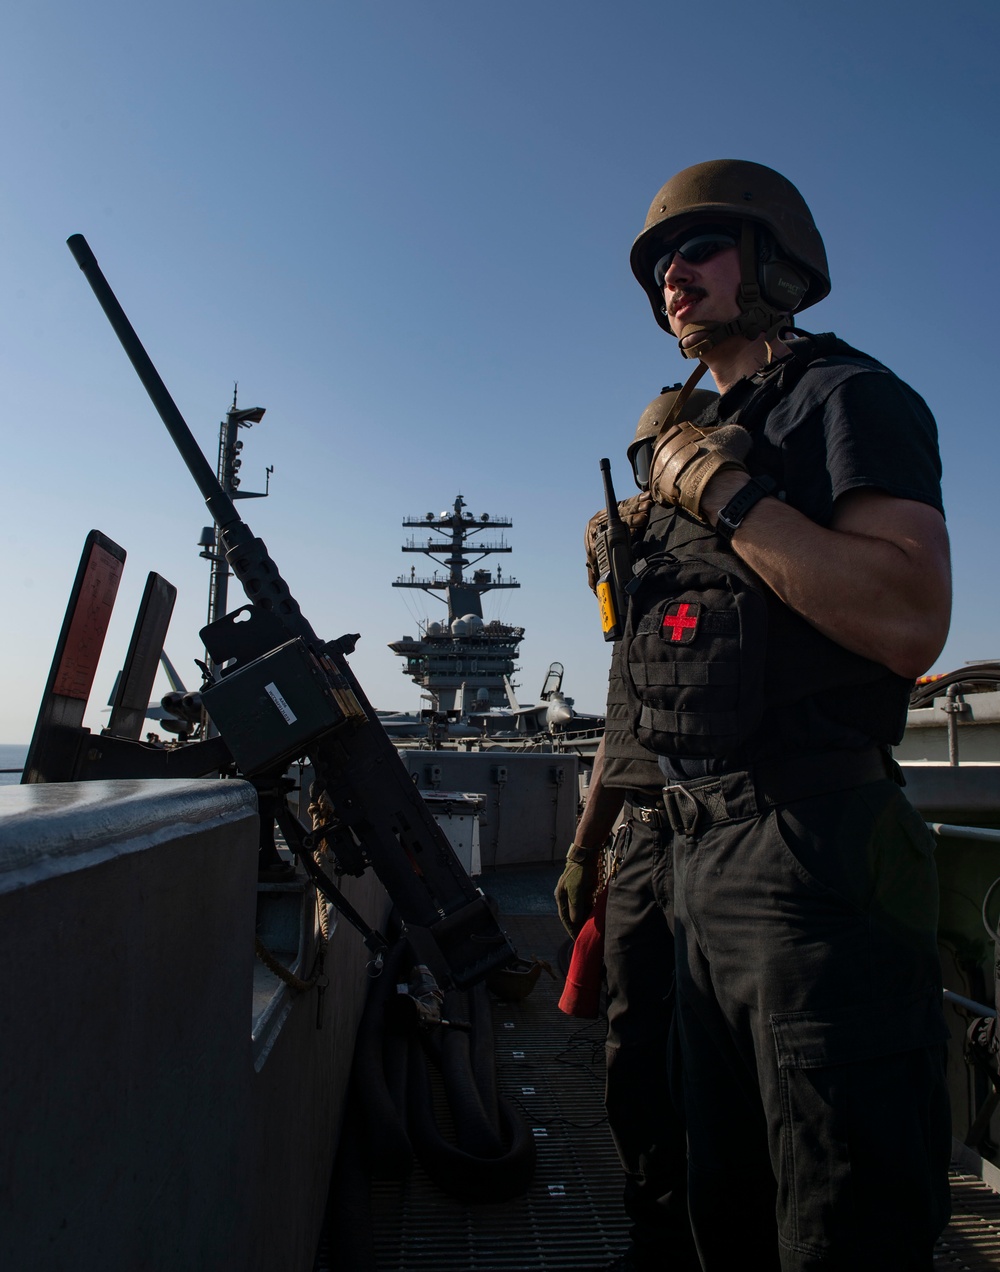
(768, 661)
(645, 1123)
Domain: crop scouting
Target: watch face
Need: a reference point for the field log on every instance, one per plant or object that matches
(724, 527)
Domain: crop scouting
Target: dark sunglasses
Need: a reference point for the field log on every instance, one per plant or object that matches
(695, 251)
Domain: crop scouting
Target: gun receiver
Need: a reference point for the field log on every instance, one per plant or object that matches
(614, 563)
(286, 693)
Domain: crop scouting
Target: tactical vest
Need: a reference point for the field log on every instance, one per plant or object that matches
(628, 764)
(713, 665)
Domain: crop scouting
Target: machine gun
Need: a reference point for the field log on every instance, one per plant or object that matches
(614, 562)
(284, 693)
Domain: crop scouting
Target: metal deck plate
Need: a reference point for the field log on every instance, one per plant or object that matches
(572, 1219)
(552, 1067)
(972, 1239)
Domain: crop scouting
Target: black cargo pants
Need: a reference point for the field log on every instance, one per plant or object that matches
(647, 1128)
(809, 1011)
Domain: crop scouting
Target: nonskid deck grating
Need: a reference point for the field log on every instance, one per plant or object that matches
(552, 1067)
(971, 1242)
(572, 1218)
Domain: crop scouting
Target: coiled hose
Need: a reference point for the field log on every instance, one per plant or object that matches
(490, 1156)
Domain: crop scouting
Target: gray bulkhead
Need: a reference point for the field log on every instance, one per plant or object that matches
(146, 1123)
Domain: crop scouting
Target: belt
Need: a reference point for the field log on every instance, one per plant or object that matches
(748, 793)
(638, 809)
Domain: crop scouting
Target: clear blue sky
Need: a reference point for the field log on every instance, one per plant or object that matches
(404, 227)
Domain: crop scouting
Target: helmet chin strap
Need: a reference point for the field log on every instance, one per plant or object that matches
(680, 401)
(757, 316)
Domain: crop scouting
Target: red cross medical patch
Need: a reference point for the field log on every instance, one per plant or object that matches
(680, 622)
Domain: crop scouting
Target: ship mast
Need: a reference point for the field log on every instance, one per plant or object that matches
(457, 528)
(227, 471)
(464, 663)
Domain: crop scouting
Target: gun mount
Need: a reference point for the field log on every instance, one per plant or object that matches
(285, 693)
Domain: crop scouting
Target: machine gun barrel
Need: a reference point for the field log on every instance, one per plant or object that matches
(246, 555)
(286, 693)
(220, 505)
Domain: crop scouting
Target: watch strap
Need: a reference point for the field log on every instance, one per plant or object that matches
(731, 517)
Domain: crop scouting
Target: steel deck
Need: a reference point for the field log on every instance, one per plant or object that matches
(571, 1220)
(552, 1067)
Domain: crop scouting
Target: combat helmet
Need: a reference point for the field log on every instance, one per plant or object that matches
(782, 257)
(663, 408)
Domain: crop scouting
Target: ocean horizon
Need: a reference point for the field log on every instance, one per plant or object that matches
(12, 756)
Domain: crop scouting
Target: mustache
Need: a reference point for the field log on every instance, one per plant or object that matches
(684, 294)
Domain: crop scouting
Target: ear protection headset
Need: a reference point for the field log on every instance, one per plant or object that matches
(770, 290)
(781, 284)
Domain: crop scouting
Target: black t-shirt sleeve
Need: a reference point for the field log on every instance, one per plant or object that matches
(870, 432)
(880, 435)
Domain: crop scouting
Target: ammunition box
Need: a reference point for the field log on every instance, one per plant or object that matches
(271, 710)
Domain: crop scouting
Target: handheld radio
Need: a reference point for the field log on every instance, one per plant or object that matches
(614, 562)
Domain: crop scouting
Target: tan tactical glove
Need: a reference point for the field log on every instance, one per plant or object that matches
(687, 458)
(577, 887)
(634, 512)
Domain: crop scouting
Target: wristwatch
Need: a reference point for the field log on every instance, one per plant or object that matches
(731, 517)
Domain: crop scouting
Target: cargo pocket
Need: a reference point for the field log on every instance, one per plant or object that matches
(865, 1135)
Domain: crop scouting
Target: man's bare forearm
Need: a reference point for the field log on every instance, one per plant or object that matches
(600, 813)
(878, 581)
